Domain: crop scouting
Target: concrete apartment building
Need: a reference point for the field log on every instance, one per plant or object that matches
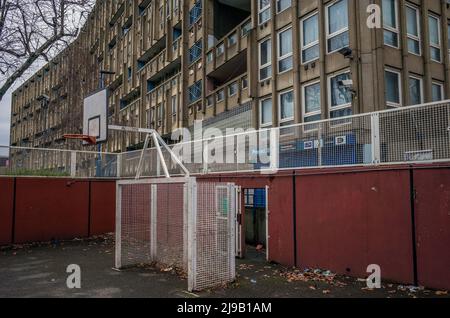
(236, 63)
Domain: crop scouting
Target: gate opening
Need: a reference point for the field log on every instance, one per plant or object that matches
(255, 222)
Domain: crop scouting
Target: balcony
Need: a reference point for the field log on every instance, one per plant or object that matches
(164, 64)
(229, 50)
(228, 96)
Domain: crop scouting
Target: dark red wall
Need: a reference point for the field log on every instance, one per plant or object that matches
(432, 211)
(344, 220)
(6, 210)
(103, 207)
(50, 209)
(347, 221)
(281, 230)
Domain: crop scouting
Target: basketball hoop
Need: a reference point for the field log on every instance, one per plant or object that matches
(91, 140)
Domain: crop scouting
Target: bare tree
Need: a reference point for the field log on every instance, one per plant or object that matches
(36, 29)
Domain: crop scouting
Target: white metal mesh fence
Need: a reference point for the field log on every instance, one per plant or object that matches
(177, 223)
(213, 235)
(417, 134)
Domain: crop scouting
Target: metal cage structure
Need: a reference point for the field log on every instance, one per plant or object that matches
(180, 223)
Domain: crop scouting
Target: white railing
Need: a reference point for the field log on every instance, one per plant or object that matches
(417, 134)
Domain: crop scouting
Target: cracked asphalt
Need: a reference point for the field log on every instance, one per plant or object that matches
(39, 270)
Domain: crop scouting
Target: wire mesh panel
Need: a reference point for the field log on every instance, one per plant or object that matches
(212, 236)
(177, 223)
(170, 224)
(133, 231)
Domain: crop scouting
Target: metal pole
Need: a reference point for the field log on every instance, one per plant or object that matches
(98, 166)
(160, 154)
(141, 160)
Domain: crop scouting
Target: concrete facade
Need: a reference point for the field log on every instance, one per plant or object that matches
(278, 62)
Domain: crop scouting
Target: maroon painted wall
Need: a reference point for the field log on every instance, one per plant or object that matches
(347, 221)
(50, 209)
(103, 207)
(6, 210)
(432, 215)
(281, 230)
(344, 220)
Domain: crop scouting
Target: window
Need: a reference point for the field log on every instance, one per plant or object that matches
(311, 103)
(437, 91)
(413, 29)
(220, 49)
(174, 105)
(246, 28)
(263, 11)
(337, 26)
(285, 50)
(392, 88)
(195, 52)
(196, 12)
(220, 95)
(340, 97)
(244, 82)
(286, 109)
(283, 5)
(232, 89)
(448, 36)
(265, 111)
(209, 57)
(209, 100)
(195, 92)
(265, 60)
(130, 73)
(232, 39)
(435, 38)
(390, 23)
(309, 32)
(415, 90)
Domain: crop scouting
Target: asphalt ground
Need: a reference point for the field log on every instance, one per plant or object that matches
(39, 270)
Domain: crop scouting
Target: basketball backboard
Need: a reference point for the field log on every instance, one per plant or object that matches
(95, 119)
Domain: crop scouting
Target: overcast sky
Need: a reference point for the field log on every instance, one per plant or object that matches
(5, 122)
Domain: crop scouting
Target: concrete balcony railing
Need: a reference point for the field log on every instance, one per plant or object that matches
(228, 96)
(164, 60)
(228, 47)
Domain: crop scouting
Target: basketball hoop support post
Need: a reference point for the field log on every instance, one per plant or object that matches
(158, 141)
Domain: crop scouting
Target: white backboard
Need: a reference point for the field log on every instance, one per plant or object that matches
(95, 119)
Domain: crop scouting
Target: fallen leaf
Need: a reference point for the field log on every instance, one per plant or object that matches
(441, 293)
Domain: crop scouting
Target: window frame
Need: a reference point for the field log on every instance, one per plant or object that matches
(420, 79)
(262, 10)
(327, 25)
(412, 37)
(400, 87)
(442, 89)
(174, 105)
(286, 56)
(308, 46)
(268, 64)
(315, 113)
(339, 107)
(261, 125)
(287, 8)
(432, 45)
(286, 91)
(236, 91)
(393, 30)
